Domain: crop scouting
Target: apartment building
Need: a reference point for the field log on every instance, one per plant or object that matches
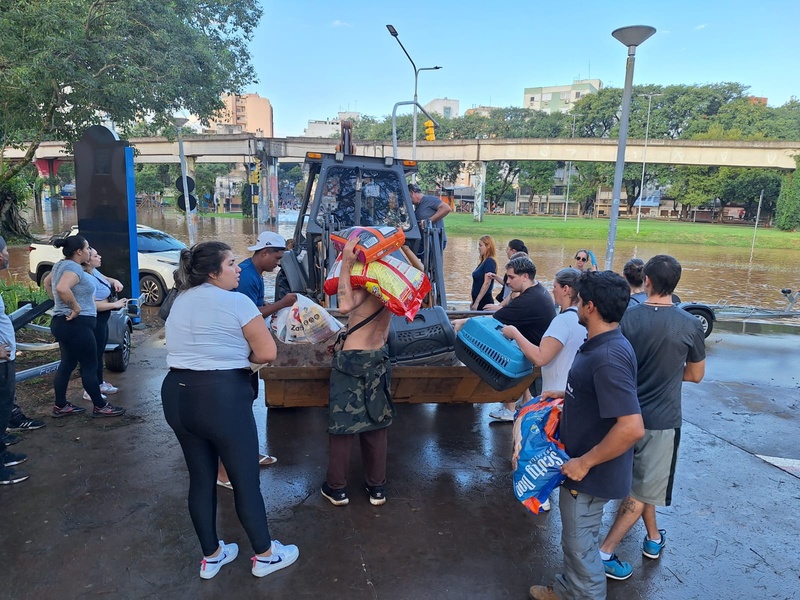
(559, 98)
(244, 113)
(324, 128)
(443, 106)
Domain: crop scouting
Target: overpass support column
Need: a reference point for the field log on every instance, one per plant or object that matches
(477, 171)
(268, 211)
(48, 169)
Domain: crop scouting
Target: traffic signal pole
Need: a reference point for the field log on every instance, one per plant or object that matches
(394, 124)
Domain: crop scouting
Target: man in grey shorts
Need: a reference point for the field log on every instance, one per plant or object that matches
(670, 349)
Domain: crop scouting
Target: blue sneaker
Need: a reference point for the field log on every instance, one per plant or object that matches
(652, 549)
(616, 569)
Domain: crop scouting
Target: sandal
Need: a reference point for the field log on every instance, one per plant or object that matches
(264, 460)
(225, 484)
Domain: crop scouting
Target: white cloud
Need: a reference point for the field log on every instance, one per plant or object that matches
(701, 26)
(338, 23)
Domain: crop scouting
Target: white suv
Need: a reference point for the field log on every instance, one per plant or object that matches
(159, 253)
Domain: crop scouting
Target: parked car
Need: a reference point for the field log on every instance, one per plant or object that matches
(159, 253)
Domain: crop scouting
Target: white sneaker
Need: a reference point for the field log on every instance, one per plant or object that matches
(86, 395)
(107, 388)
(502, 414)
(282, 556)
(211, 566)
(545, 507)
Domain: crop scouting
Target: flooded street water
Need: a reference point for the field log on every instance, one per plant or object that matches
(710, 273)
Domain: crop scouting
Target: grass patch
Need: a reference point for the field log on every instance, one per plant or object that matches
(574, 228)
(15, 292)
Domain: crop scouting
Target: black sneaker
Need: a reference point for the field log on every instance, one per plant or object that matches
(10, 459)
(67, 410)
(337, 497)
(108, 411)
(376, 495)
(10, 476)
(10, 440)
(19, 422)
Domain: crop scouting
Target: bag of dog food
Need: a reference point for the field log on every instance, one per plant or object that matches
(539, 452)
(397, 284)
(373, 242)
(305, 322)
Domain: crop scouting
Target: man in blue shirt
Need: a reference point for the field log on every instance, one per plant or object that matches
(267, 253)
(599, 426)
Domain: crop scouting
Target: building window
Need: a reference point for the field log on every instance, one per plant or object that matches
(547, 97)
(565, 95)
(577, 95)
(447, 111)
(533, 98)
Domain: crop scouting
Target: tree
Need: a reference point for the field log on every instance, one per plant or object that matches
(147, 180)
(64, 62)
(787, 216)
(536, 177)
(247, 201)
(205, 176)
(438, 174)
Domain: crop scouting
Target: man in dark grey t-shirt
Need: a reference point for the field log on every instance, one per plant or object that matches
(429, 209)
(670, 349)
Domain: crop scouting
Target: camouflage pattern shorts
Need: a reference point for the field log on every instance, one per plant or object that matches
(360, 392)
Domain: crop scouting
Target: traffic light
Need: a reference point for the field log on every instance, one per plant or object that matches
(430, 131)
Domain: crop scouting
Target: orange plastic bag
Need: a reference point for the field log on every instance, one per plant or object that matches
(397, 284)
(374, 242)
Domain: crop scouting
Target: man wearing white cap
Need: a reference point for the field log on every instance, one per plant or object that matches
(267, 253)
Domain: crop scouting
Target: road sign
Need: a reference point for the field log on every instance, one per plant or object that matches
(182, 201)
(189, 183)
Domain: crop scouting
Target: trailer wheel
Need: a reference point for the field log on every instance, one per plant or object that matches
(705, 321)
(117, 360)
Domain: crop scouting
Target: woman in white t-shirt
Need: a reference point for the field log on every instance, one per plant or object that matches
(563, 337)
(213, 334)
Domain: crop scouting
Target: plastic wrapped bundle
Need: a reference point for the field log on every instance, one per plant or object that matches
(373, 242)
(397, 284)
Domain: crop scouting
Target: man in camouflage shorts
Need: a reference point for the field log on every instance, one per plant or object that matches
(360, 395)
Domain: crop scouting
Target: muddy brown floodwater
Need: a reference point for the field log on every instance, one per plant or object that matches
(710, 273)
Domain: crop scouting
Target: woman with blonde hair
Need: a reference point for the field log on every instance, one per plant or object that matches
(487, 263)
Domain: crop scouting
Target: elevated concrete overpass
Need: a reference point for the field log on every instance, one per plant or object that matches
(240, 147)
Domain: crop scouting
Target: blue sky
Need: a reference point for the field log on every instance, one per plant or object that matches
(314, 58)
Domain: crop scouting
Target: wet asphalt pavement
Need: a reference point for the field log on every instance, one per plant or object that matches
(104, 512)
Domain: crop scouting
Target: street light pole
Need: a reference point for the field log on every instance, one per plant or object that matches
(644, 154)
(396, 36)
(631, 37)
(569, 170)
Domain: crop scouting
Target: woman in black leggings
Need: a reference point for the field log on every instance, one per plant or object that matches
(105, 300)
(213, 334)
(73, 325)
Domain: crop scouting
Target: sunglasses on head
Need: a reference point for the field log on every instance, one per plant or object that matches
(582, 258)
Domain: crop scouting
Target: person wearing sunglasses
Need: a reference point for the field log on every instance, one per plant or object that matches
(585, 261)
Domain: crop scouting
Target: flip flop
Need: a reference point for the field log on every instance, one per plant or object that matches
(266, 460)
(225, 484)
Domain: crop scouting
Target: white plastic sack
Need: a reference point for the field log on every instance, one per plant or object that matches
(305, 322)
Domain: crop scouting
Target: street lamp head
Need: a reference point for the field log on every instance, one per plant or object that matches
(633, 35)
(392, 30)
